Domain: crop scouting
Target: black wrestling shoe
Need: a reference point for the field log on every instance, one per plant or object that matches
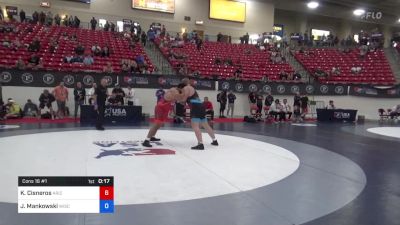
(214, 143)
(155, 139)
(100, 128)
(198, 147)
(146, 143)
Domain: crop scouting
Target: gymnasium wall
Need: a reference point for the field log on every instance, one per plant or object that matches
(259, 14)
(366, 106)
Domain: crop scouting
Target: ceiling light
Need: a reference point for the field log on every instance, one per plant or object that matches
(312, 5)
(359, 12)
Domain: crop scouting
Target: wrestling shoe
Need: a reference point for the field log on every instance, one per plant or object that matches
(198, 147)
(215, 142)
(146, 143)
(155, 139)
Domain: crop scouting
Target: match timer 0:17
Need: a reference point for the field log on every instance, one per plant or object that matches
(65, 194)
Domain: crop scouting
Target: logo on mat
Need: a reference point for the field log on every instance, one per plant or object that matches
(225, 86)
(48, 78)
(27, 78)
(253, 88)
(69, 80)
(324, 89)
(130, 148)
(5, 77)
(88, 80)
(5, 127)
(267, 89)
(339, 90)
(281, 89)
(239, 87)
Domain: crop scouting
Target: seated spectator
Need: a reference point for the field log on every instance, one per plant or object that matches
(320, 73)
(39, 65)
(53, 45)
(133, 66)
(88, 60)
(276, 109)
(264, 79)
(331, 105)
(13, 110)
(34, 46)
(395, 111)
(287, 109)
(105, 52)
(125, 66)
(335, 71)
(79, 49)
(112, 100)
(363, 51)
(119, 94)
(237, 75)
(356, 69)
(16, 44)
(6, 42)
(31, 109)
(73, 37)
(96, 50)
(209, 108)
(283, 75)
(20, 64)
(108, 68)
(33, 61)
(297, 76)
(228, 62)
(140, 61)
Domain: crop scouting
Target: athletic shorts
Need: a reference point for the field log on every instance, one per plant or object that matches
(198, 120)
(43, 105)
(197, 111)
(61, 105)
(162, 111)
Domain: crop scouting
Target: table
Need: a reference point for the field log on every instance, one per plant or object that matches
(112, 114)
(336, 115)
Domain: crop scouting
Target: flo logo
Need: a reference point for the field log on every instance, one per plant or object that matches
(129, 148)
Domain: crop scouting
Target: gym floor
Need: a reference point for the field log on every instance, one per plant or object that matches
(313, 173)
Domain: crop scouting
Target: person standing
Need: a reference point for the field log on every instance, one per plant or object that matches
(222, 98)
(99, 99)
(287, 109)
(22, 16)
(130, 96)
(143, 38)
(79, 97)
(252, 99)
(93, 23)
(260, 99)
(231, 103)
(61, 94)
(304, 105)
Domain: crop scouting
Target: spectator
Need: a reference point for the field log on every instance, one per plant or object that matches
(231, 103)
(264, 79)
(42, 17)
(13, 109)
(209, 108)
(331, 105)
(219, 37)
(238, 73)
(269, 99)
(6, 42)
(276, 110)
(287, 109)
(49, 19)
(107, 26)
(283, 75)
(105, 52)
(45, 100)
(363, 51)
(119, 94)
(297, 76)
(77, 22)
(20, 64)
(304, 105)
(53, 45)
(33, 61)
(79, 49)
(199, 44)
(125, 66)
(108, 68)
(160, 94)
(1, 14)
(22, 16)
(130, 96)
(355, 69)
(35, 17)
(140, 61)
(112, 27)
(96, 49)
(252, 99)
(34, 46)
(71, 21)
(395, 111)
(79, 97)
(143, 38)
(16, 44)
(151, 35)
(57, 19)
(93, 23)
(260, 99)
(246, 38)
(91, 93)
(222, 98)
(335, 70)
(88, 60)
(31, 109)
(61, 95)
(112, 100)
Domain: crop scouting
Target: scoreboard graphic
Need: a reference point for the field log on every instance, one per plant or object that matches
(65, 194)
